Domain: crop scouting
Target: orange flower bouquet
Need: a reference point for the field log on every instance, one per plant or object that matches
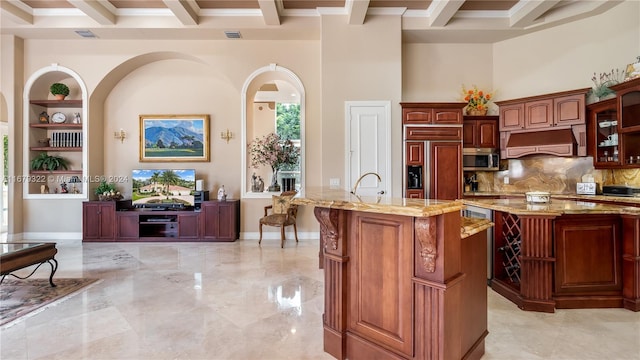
(477, 100)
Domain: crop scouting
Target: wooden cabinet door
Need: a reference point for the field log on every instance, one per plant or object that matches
(569, 110)
(127, 226)
(588, 258)
(226, 221)
(486, 134)
(512, 117)
(188, 226)
(469, 133)
(380, 291)
(210, 220)
(417, 116)
(415, 152)
(446, 171)
(447, 116)
(415, 194)
(98, 220)
(538, 114)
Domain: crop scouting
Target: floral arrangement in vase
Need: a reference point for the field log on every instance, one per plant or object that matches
(477, 100)
(275, 152)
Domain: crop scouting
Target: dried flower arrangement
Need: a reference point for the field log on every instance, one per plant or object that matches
(604, 81)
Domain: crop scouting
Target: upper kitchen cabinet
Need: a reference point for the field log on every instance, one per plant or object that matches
(54, 129)
(480, 132)
(432, 113)
(603, 134)
(628, 98)
(553, 124)
(543, 111)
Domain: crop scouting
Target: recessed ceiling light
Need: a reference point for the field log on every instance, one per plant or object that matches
(233, 34)
(86, 33)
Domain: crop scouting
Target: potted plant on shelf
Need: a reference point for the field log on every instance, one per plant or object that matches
(107, 191)
(59, 90)
(45, 161)
(477, 100)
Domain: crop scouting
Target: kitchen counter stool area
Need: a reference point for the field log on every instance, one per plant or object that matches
(565, 254)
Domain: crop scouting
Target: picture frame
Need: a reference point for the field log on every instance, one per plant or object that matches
(182, 138)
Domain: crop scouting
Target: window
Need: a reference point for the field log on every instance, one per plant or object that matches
(288, 127)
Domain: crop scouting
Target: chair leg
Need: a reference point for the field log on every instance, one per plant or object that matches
(260, 241)
(282, 236)
(295, 231)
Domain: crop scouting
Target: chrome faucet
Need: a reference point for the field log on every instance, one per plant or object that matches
(355, 187)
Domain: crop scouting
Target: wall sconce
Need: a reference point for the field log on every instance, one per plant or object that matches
(226, 135)
(120, 135)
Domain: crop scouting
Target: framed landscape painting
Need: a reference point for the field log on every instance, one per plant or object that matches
(174, 138)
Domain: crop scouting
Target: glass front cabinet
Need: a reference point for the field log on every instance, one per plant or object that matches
(603, 120)
(614, 128)
(628, 96)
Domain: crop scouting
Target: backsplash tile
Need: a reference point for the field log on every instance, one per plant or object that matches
(557, 175)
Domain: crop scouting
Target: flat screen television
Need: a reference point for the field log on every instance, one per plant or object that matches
(163, 188)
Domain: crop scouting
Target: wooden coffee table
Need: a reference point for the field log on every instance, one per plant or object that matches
(16, 256)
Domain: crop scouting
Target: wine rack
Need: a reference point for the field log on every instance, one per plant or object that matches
(510, 251)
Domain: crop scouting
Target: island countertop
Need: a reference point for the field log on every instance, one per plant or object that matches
(556, 207)
(341, 199)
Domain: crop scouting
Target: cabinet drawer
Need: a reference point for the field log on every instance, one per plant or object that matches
(433, 133)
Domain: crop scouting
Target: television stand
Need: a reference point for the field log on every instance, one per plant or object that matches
(119, 221)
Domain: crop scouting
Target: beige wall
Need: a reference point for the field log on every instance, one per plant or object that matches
(565, 57)
(349, 63)
(359, 63)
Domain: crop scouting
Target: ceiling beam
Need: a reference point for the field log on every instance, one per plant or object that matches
(442, 11)
(528, 11)
(96, 11)
(270, 13)
(18, 15)
(357, 10)
(183, 11)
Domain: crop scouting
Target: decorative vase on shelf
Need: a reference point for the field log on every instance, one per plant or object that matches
(476, 112)
(274, 181)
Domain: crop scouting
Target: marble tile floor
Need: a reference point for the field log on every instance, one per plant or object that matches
(241, 301)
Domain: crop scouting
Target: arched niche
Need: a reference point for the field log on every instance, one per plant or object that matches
(266, 75)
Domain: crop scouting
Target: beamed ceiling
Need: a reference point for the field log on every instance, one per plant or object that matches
(437, 21)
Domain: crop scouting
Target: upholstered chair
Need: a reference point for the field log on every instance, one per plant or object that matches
(280, 213)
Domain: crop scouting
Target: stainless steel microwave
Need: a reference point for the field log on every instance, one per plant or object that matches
(480, 159)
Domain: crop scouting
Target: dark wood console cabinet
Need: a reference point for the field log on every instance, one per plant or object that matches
(98, 218)
(117, 221)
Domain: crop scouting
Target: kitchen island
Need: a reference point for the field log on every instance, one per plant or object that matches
(565, 254)
(404, 278)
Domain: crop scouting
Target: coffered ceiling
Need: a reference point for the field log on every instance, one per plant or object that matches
(447, 21)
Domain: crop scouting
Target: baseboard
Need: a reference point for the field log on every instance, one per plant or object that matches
(275, 235)
(48, 236)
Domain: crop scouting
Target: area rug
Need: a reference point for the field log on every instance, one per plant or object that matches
(19, 298)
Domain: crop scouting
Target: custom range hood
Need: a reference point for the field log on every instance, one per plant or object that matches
(561, 142)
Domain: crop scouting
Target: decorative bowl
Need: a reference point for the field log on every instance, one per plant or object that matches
(541, 197)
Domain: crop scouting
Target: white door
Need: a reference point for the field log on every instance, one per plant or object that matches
(368, 144)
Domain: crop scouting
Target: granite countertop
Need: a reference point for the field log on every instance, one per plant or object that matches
(471, 226)
(555, 207)
(341, 199)
(618, 199)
